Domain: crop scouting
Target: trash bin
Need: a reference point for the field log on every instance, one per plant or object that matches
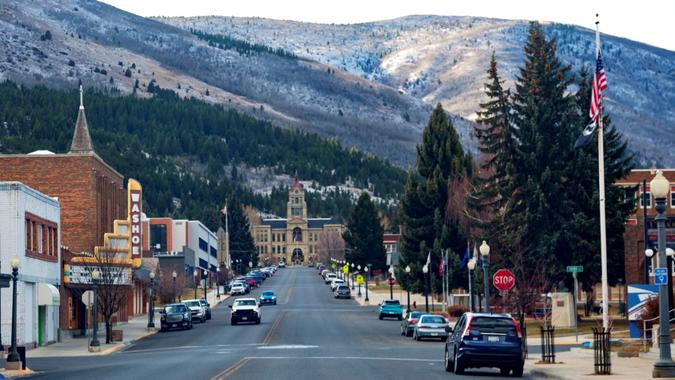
(21, 350)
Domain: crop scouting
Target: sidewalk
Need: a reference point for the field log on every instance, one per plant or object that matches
(133, 330)
(578, 364)
(375, 298)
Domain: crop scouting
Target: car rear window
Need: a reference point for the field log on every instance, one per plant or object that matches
(343, 287)
(245, 302)
(415, 314)
(173, 309)
(193, 303)
(392, 302)
(433, 319)
(484, 325)
(268, 293)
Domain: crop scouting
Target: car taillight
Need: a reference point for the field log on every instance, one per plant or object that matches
(468, 328)
(518, 331)
(412, 321)
(425, 327)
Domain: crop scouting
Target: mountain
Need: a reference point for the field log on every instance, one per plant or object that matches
(444, 59)
(62, 42)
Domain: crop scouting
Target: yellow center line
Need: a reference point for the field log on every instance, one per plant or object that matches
(273, 329)
(231, 370)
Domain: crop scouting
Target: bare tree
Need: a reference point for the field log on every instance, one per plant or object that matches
(165, 285)
(331, 245)
(112, 286)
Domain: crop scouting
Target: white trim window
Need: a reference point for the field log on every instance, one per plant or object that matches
(672, 197)
(649, 198)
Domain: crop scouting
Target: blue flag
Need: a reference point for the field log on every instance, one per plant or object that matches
(466, 257)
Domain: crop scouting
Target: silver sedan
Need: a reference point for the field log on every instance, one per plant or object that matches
(431, 326)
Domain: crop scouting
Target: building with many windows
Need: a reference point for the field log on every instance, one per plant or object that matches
(296, 239)
(30, 224)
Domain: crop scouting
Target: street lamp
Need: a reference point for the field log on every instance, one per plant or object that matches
(391, 282)
(407, 281)
(367, 270)
(151, 304)
(664, 366)
(352, 270)
(217, 282)
(471, 265)
(194, 280)
(425, 270)
(173, 276)
(205, 275)
(94, 344)
(359, 269)
(485, 254)
(13, 359)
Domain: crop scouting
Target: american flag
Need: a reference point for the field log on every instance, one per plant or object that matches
(599, 85)
(224, 210)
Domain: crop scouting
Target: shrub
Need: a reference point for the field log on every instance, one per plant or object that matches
(457, 310)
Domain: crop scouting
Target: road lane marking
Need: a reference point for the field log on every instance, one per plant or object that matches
(286, 347)
(231, 370)
(211, 347)
(343, 358)
(273, 329)
(288, 295)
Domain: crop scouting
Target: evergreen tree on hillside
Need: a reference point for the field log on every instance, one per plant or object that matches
(241, 241)
(364, 235)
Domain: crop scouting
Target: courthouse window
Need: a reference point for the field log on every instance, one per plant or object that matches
(649, 198)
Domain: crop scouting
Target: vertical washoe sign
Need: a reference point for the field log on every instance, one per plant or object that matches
(135, 207)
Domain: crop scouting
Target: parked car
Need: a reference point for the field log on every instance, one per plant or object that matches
(196, 309)
(207, 307)
(323, 272)
(268, 297)
(343, 291)
(237, 288)
(390, 309)
(329, 277)
(335, 283)
(245, 310)
(485, 340)
(282, 264)
(430, 326)
(175, 315)
(408, 323)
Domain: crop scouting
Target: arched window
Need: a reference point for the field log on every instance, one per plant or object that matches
(297, 234)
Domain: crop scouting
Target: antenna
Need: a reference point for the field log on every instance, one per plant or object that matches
(597, 18)
(81, 98)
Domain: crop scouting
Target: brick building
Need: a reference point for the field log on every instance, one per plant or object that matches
(92, 196)
(634, 235)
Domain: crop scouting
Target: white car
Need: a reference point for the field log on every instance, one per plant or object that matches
(329, 277)
(335, 283)
(282, 265)
(245, 310)
(197, 310)
(237, 288)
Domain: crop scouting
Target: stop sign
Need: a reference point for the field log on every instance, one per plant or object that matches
(503, 279)
(392, 281)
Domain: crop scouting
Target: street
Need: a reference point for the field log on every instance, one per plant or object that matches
(308, 335)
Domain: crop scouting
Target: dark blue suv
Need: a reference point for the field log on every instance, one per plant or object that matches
(485, 340)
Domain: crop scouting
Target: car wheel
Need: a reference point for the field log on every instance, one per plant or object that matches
(399, 318)
(275, 302)
(459, 368)
(408, 333)
(444, 339)
(233, 322)
(449, 366)
(190, 327)
(504, 371)
(257, 321)
(162, 329)
(380, 317)
(418, 338)
(518, 370)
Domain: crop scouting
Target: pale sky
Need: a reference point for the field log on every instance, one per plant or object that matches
(649, 21)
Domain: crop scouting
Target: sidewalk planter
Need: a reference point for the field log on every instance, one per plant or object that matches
(602, 351)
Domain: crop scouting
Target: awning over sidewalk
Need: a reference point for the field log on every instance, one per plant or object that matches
(48, 295)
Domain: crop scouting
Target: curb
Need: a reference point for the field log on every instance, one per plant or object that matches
(119, 347)
(14, 374)
(538, 373)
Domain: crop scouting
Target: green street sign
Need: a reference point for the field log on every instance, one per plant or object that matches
(575, 268)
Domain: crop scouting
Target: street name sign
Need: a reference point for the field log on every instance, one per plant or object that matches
(503, 279)
(575, 268)
(660, 276)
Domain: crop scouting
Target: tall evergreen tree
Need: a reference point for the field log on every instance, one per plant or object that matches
(365, 234)
(241, 241)
(491, 184)
(543, 114)
(429, 225)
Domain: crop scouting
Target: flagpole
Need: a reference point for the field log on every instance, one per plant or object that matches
(601, 182)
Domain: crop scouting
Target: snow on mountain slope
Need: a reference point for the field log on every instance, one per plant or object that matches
(444, 59)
